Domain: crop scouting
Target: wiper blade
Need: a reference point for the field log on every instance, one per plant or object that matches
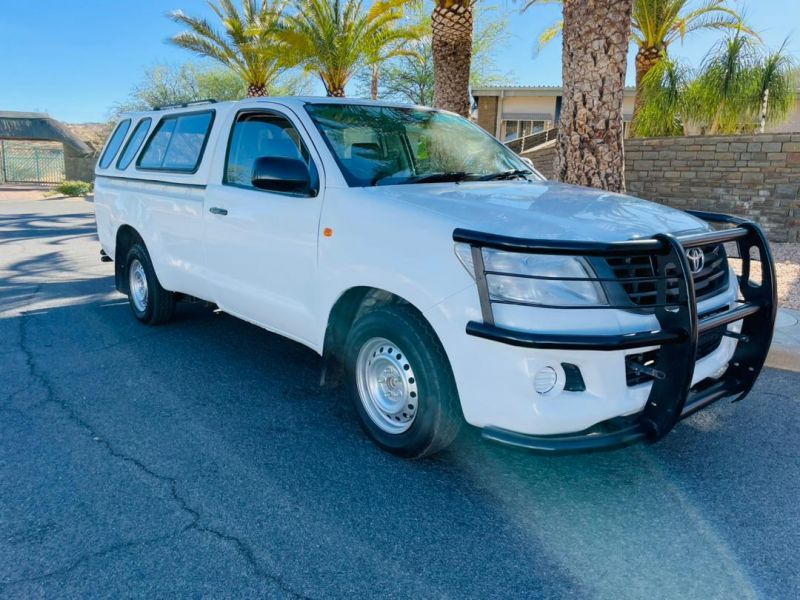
(445, 176)
(506, 175)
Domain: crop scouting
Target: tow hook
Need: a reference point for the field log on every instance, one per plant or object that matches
(641, 369)
(737, 336)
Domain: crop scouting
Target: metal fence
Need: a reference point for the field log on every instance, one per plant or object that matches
(519, 145)
(31, 162)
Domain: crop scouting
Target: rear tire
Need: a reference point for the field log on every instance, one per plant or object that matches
(150, 303)
(401, 383)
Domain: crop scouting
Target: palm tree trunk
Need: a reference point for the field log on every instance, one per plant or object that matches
(334, 86)
(590, 150)
(373, 84)
(451, 22)
(255, 90)
(764, 106)
(716, 120)
(646, 59)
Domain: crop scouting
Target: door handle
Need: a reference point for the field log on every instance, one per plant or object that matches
(216, 210)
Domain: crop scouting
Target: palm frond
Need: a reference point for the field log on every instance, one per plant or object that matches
(246, 42)
(549, 34)
(336, 37)
(665, 109)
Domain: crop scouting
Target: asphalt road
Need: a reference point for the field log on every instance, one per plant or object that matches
(201, 458)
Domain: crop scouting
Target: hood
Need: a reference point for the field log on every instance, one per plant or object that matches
(544, 210)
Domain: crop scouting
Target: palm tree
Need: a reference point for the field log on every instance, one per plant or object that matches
(247, 45)
(725, 84)
(451, 22)
(775, 86)
(410, 78)
(333, 38)
(594, 61)
(658, 23)
(737, 86)
(403, 46)
(667, 101)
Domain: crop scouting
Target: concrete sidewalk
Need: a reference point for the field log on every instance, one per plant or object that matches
(785, 351)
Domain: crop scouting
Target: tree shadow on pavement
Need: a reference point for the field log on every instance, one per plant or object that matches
(235, 417)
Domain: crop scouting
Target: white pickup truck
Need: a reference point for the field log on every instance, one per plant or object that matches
(439, 275)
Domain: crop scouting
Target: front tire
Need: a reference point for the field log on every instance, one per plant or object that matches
(150, 303)
(401, 382)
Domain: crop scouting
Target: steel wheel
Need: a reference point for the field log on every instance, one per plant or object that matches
(387, 385)
(137, 282)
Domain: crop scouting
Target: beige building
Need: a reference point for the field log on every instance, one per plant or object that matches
(516, 111)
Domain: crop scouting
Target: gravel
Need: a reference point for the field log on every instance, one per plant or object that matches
(787, 269)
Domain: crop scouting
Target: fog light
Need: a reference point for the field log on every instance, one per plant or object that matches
(545, 380)
(719, 372)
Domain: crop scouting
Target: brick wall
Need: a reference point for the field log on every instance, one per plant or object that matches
(754, 176)
(487, 113)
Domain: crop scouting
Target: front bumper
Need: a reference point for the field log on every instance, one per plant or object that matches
(672, 396)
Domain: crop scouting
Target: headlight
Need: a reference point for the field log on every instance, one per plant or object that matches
(536, 278)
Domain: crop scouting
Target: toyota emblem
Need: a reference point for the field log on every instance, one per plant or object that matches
(697, 259)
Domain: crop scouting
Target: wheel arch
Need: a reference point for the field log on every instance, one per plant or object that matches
(126, 237)
(351, 304)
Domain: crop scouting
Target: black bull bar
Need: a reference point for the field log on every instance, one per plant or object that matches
(672, 396)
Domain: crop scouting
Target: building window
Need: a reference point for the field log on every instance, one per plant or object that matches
(512, 130)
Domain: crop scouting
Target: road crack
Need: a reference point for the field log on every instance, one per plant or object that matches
(92, 555)
(244, 550)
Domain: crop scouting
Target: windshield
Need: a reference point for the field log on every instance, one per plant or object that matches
(380, 145)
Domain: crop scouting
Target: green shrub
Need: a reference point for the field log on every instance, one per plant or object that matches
(74, 188)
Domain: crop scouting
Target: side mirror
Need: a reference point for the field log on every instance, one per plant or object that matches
(281, 174)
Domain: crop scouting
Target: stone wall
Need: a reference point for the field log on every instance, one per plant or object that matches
(754, 176)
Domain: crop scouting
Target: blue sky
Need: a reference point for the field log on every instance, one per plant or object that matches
(77, 58)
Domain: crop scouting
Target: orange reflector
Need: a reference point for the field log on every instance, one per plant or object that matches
(327, 232)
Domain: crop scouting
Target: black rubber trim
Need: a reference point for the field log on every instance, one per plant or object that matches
(611, 434)
(568, 444)
(159, 124)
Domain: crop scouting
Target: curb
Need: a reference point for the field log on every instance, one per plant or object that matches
(782, 356)
(785, 350)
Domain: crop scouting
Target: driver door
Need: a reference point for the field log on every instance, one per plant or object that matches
(260, 246)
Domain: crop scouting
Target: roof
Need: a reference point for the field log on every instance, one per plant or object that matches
(529, 90)
(39, 126)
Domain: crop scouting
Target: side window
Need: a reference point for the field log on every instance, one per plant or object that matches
(134, 143)
(178, 143)
(258, 135)
(114, 143)
(153, 155)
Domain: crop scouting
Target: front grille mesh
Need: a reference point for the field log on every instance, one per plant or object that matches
(709, 281)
